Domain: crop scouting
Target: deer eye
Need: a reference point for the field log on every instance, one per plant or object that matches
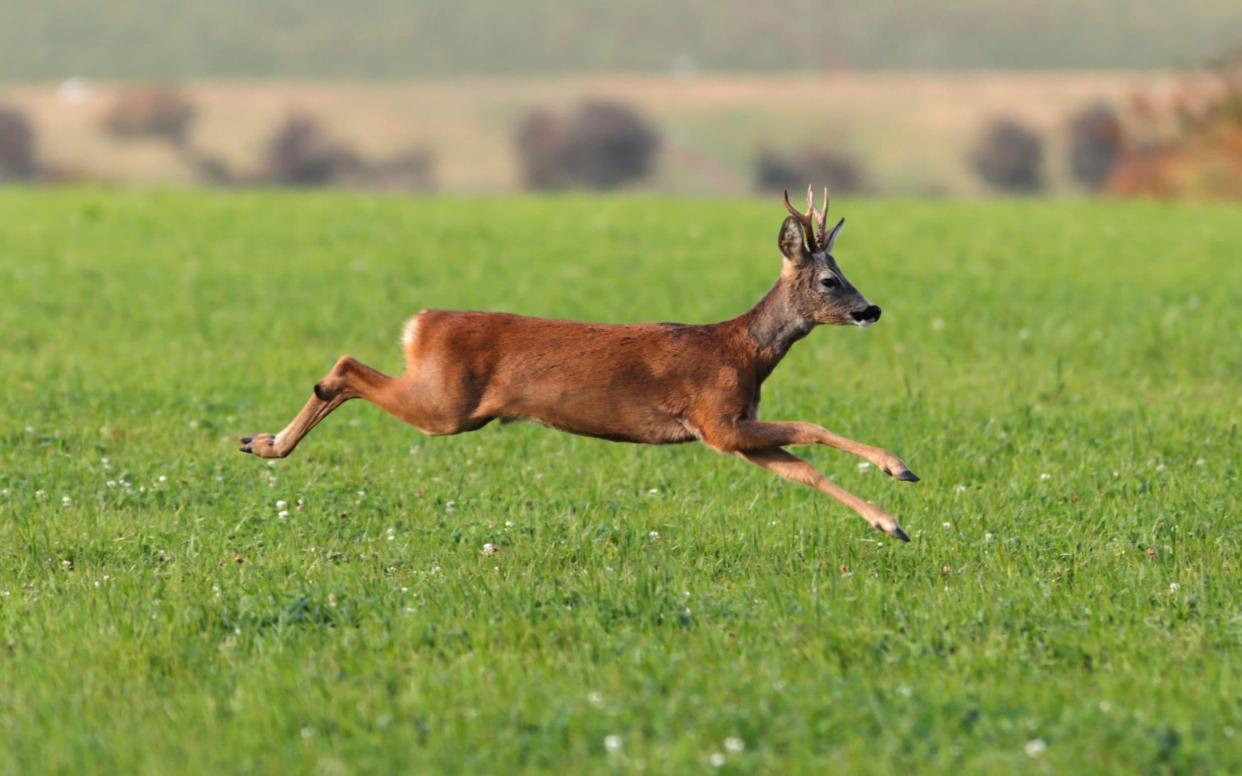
(830, 282)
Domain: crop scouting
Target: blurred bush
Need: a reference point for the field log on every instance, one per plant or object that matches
(303, 153)
(1191, 147)
(18, 156)
(1009, 157)
(150, 112)
(776, 172)
(599, 145)
(1096, 136)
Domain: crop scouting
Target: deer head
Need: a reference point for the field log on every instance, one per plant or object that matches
(818, 288)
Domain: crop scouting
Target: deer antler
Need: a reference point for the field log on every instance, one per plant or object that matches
(812, 218)
(820, 216)
(808, 226)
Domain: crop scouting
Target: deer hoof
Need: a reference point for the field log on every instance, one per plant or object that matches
(900, 534)
(897, 469)
(262, 445)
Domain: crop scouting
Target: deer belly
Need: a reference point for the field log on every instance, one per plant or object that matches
(606, 414)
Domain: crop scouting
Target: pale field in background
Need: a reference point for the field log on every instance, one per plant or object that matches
(910, 131)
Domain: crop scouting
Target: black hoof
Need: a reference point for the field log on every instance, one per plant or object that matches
(900, 534)
(908, 476)
(246, 440)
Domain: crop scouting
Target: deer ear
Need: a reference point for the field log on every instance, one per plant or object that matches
(831, 240)
(791, 241)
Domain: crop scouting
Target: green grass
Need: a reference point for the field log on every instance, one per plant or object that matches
(1064, 377)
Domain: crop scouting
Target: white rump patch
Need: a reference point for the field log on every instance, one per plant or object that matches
(410, 331)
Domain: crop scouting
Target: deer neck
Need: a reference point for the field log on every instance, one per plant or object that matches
(772, 327)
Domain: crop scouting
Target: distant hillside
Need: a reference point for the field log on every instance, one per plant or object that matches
(144, 39)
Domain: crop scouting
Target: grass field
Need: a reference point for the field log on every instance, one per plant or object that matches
(1064, 376)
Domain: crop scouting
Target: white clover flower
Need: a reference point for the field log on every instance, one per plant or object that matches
(947, 525)
(489, 549)
(595, 698)
(612, 743)
(283, 514)
(1174, 587)
(1200, 462)
(508, 524)
(960, 489)
(716, 760)
(1045, 477)
(161, 478)
(734, 745)
(1036, 747)
(281, 504)
(654, 492)
(65, 500)
(864, 466)
(654, 535)
(111, 483)
(988, 536)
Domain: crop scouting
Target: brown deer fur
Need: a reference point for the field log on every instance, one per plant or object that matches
(654, 383)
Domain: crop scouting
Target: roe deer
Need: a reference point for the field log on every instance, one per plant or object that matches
(654, 383)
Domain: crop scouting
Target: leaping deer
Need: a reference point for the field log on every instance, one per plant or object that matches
(654, 383)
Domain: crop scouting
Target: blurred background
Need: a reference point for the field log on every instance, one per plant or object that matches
(731, 97)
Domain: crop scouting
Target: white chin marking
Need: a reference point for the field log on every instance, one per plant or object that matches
(863, 324)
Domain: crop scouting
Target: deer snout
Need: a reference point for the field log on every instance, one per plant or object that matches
(867, 316)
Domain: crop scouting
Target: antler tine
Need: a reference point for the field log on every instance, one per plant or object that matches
(814, 215)
(823, 217)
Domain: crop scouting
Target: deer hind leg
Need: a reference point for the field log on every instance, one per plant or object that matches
(349, 379)
(785, 464)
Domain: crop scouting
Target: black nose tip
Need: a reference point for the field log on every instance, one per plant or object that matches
(871, 314)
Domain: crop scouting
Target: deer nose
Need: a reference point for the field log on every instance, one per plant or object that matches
(869, 315)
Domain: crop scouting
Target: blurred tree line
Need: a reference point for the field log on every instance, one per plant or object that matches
(1190, 145)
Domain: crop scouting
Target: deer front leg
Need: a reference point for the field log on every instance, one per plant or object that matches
(785, 464)
(349, 379)
(760, 435)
